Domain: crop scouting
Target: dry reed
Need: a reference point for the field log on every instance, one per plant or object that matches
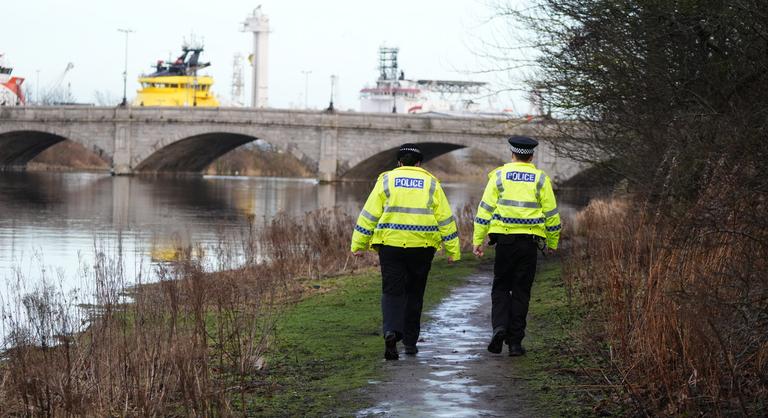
(188, 344)
(680, 303)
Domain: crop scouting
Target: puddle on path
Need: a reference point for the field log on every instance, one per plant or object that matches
(453, 375)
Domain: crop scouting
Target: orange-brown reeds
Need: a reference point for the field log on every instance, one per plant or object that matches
(681, 303)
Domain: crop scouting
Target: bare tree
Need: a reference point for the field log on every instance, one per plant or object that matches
(656, 87)
(56, 96)
(105, 98)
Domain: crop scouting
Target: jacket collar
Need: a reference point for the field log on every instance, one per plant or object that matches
(413, 168)
(522, 164)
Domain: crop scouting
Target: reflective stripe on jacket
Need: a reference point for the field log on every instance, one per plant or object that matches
(518, 199)
(407, 208)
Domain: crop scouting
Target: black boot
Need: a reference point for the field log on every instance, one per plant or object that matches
(497, 341)
(390, 346)
(516, 349)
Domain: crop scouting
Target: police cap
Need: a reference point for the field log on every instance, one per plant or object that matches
(406, 149)
(522, 144)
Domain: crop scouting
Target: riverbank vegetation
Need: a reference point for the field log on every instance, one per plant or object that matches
(67, 156)
(555, 371)
(252, 160)
(188, 342)
(670, 98)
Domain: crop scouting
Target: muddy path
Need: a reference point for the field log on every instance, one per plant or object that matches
(453, 375)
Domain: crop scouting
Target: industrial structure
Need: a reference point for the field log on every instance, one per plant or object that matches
(396, 94)
(258, 24)
(238, 83)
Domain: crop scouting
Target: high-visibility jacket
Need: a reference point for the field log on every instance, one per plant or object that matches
(407, 208)
(518, 199)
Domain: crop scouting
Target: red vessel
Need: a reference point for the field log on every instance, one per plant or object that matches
(10, 86)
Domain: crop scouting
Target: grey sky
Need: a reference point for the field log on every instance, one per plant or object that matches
(326, 37)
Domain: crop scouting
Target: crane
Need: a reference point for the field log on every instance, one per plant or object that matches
(54, 94)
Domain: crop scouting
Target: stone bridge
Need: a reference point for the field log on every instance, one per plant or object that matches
(341, 145)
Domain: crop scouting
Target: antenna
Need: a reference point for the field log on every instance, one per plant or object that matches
(237, 79)
(193, 42)
(388, 63)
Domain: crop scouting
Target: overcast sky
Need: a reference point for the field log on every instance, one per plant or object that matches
(436, 40)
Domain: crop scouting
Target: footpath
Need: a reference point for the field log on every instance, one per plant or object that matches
(453, 375)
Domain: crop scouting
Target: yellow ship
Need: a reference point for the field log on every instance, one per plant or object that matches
(178, 84)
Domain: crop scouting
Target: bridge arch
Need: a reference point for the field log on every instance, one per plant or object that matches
(193, 152)
(383, 155)
(386, 159)
(19, 147)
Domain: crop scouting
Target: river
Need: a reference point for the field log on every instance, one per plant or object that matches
(53, 224)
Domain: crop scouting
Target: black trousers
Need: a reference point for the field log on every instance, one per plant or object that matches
(404, 274)
(513, 273)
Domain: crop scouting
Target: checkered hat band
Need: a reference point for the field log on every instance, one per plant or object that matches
(524, 151)
(410, 150)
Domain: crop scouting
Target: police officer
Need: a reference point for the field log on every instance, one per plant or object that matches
(406, 218)
(517, 210)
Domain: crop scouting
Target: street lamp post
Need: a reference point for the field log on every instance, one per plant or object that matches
(37, 88)
(125, 68)
(306, 87)
(395, 86)
(333, 84)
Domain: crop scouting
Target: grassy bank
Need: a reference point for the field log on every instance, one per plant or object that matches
(555, 369)
(330, 344)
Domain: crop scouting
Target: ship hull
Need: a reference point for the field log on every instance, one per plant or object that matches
(176, 91)
(10, 92)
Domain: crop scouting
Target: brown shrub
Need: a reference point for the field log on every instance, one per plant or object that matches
(682, 304)
(188, 344)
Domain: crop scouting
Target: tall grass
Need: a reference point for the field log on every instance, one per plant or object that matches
(188, 344)
(679, 305)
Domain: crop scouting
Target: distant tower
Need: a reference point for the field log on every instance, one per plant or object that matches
(237, 80)
(388, 63)
(258, 23)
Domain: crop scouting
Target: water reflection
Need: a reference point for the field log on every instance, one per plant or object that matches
(58, 218)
